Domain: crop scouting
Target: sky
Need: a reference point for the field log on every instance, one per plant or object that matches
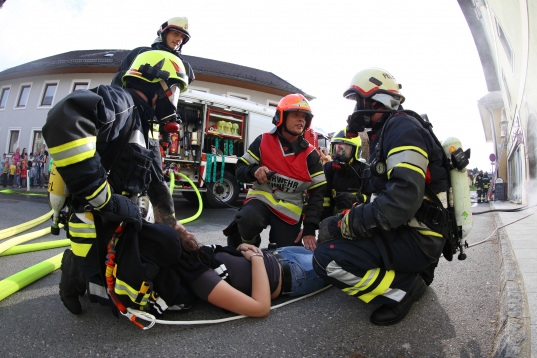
(318, 47)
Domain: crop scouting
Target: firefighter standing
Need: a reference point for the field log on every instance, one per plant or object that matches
(379, 252)
(172, 35)
(480, 182)
(282, 165)
(347, 177)
(99, 141)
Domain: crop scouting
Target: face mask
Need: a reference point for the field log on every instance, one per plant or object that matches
(165, 110)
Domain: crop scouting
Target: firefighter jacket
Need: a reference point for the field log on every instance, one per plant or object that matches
(482, 182)
(298, 170)
(412, 160)
(82, 130)
(348, 178)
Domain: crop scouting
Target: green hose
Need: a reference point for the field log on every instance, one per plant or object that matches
(25, 226)
(23, 278)
(23, 238)
(200, 207)
(22, 249)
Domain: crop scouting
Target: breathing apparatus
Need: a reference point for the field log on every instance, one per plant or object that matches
(372, 88)
(162, 74)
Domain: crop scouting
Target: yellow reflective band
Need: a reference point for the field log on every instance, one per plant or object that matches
(74, 152)
(100, 196)
(408, 166)
(351, 291)
(430, 233)
(408, 147)
(295, 209)
(244, 160)
(80, 250)
(82, 230)
(326, 201)
(383, 286)
(317, 185)
(122, 288)
(318, 173)
(253, 155)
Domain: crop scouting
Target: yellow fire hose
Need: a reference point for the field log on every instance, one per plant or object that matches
(23, 278)
(24, 226)
(200, 208)
(23, 238)
(22, 249)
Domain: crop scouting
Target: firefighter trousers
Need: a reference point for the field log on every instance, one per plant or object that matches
(255, 216)
(357, 267)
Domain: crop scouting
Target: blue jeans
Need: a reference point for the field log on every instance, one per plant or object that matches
(305, 280)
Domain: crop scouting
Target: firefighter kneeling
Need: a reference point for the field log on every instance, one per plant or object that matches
(99, 141)
(385, 252)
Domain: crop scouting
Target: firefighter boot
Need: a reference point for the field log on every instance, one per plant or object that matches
(72, 283)
(387, 315)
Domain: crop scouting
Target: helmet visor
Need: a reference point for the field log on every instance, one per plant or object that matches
(342, 149)
(173, 94)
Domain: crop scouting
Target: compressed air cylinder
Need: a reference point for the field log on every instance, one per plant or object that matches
(460, 189)
(57, 197)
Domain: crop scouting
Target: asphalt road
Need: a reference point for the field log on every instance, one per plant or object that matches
(457, 316)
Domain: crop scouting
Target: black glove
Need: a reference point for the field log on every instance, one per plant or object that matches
(329, 229)
(121, 208)
(345, 200)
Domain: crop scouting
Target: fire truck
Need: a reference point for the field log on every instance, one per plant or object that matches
(215, 132)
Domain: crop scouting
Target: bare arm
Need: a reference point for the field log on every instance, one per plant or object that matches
(225, 296)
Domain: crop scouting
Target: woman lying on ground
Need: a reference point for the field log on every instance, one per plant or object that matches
(244, 280)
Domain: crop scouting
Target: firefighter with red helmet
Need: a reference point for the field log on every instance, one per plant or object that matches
(282, 166)
(384, 252)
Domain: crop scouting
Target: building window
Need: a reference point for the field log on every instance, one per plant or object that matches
(199, 89)
(13, 141)
(272, 104)
(505, 44)
(48, 94)
(37, 141)
(239, 96)
(80, 85)
(3, 97)
(23, 96)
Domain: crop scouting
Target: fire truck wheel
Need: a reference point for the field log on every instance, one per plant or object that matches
(220, 195)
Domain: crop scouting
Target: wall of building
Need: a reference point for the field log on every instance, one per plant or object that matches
(511, 30)
(29, 120)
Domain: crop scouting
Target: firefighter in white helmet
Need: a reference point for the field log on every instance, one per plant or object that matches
(384, 252)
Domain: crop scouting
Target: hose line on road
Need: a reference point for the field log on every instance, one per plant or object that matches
(24, 226)
(522, 208)
(47, 245)
(152, 319)
(25, 277)
(23, 238)
(499, 227)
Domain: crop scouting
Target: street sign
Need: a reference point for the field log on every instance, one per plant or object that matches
(492, 157)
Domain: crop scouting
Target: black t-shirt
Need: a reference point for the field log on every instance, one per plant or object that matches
(240, 275)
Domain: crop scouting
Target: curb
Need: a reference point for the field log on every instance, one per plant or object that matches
(513, 338)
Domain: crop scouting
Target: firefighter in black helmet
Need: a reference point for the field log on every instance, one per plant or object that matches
(381, 252)
(347, 175)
